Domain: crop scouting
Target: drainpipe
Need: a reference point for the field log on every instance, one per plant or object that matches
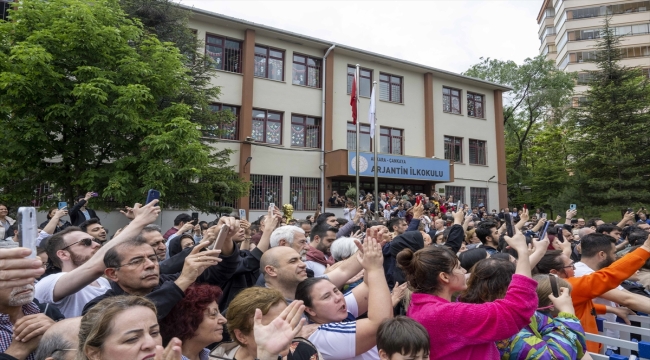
(322, 136)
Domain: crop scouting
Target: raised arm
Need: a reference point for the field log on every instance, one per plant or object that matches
(379, 298)
(92, 269)
(50, 228)
(570, 214)
(522, 219)
(627, 217)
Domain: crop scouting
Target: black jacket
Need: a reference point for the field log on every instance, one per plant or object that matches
(77, 216)
(245, 275)
(167, 294)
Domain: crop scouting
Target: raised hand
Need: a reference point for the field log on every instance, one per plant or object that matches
(275, 338)
(563, 303)
(61, 213)
(31, 326)
(146, 214)
(171, 352)
(128, 213)
(517, 242)
(399, 291)
(621, 312)
(16, 269)
(195, 263)
(373, 258)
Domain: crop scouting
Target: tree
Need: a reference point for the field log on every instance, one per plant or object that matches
(610, 146)
(89, 101)
(531, 111)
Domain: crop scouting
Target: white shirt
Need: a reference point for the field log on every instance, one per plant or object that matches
(348, 214)
(319, 269)
(337, 341)
(581, 270)
(71, 305)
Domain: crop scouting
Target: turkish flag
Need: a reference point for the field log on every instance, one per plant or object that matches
(353, 99)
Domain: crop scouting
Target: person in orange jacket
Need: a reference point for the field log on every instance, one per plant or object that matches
(591, 286)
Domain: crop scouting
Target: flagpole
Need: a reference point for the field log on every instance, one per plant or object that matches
(356, 76)
(378, 140)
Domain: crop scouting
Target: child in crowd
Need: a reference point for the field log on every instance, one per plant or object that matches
(402, 338)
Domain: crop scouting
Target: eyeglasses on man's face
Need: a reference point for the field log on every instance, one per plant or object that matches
(139, 261)
(85, 242)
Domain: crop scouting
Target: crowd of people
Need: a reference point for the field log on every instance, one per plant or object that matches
(427, 277)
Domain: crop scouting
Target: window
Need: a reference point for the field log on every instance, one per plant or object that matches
(365, 80)
(364, 136)
(305, 131)
(391, 141)
(226, 131)
(458, 192)
(267, 126)
(225, 52)
(478, 197)
(305, 193)
(306, 71)
(578, 101)
(390, 87)
(626, 8)
(583, 78)
(475, 105)
(4, 10)
(454, 149)
(550, 12)
(451, 100)
(269, 63)
(477, 152)
(265, 189)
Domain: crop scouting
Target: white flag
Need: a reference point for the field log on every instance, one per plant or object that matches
(371, 113)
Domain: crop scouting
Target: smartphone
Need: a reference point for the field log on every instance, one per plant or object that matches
(221, 239)
(242, 214)
(510, 226)
(27, 229)
(195, 218)
(272, 206)
(542, 235)
(554, 288)
(459, 206)
(525, 207)
(572, 207)
(418, 200)
(94, 194)
(62, 204)
(152, 195)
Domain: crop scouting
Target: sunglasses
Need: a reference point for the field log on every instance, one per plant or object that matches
(85, 242)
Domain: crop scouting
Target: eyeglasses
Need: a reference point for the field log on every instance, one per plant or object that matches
(85, 242)
(572, 265)
(139, 261)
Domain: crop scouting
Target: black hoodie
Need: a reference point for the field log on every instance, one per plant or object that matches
(410, 239)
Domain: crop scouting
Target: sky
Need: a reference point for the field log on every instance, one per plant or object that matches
(449, 35)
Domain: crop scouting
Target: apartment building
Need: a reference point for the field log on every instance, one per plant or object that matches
(294, 140)
(569, 30)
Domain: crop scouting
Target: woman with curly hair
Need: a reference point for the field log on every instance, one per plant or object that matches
(196, 321)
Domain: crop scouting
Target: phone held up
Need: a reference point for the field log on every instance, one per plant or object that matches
(195, 218)
(62, 204)
(572, 207)
(510, 225)
(242, 214)
(418, 200)
(153, 195)
(220, 240)
(27, 229)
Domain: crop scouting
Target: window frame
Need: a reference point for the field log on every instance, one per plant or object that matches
(319, 62)
(318, 120)
(237, 119)
(478, 148)
(267, 58)
(266, 121)
(361, 131)
(460, 100)
(470, 93)
(223, 47)
(475, 193)
(361, 77)
(308, 194)
(265, 182)
(390, 140)
(449, 189)
(452, 151)
(390, 88)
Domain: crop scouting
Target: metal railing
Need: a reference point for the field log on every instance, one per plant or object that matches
(305, 193)
(265, 189)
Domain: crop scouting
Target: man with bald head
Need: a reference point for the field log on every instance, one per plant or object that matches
(60, 341)
(281, 268)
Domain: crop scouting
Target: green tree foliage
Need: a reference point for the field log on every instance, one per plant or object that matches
(535, 149)
(90, 101)
(610, 146)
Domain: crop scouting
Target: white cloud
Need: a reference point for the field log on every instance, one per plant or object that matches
(450, 35)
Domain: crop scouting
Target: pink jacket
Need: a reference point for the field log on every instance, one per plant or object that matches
(469, 331)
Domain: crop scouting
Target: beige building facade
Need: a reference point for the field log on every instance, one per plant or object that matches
(569, 31)
(293, 138)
